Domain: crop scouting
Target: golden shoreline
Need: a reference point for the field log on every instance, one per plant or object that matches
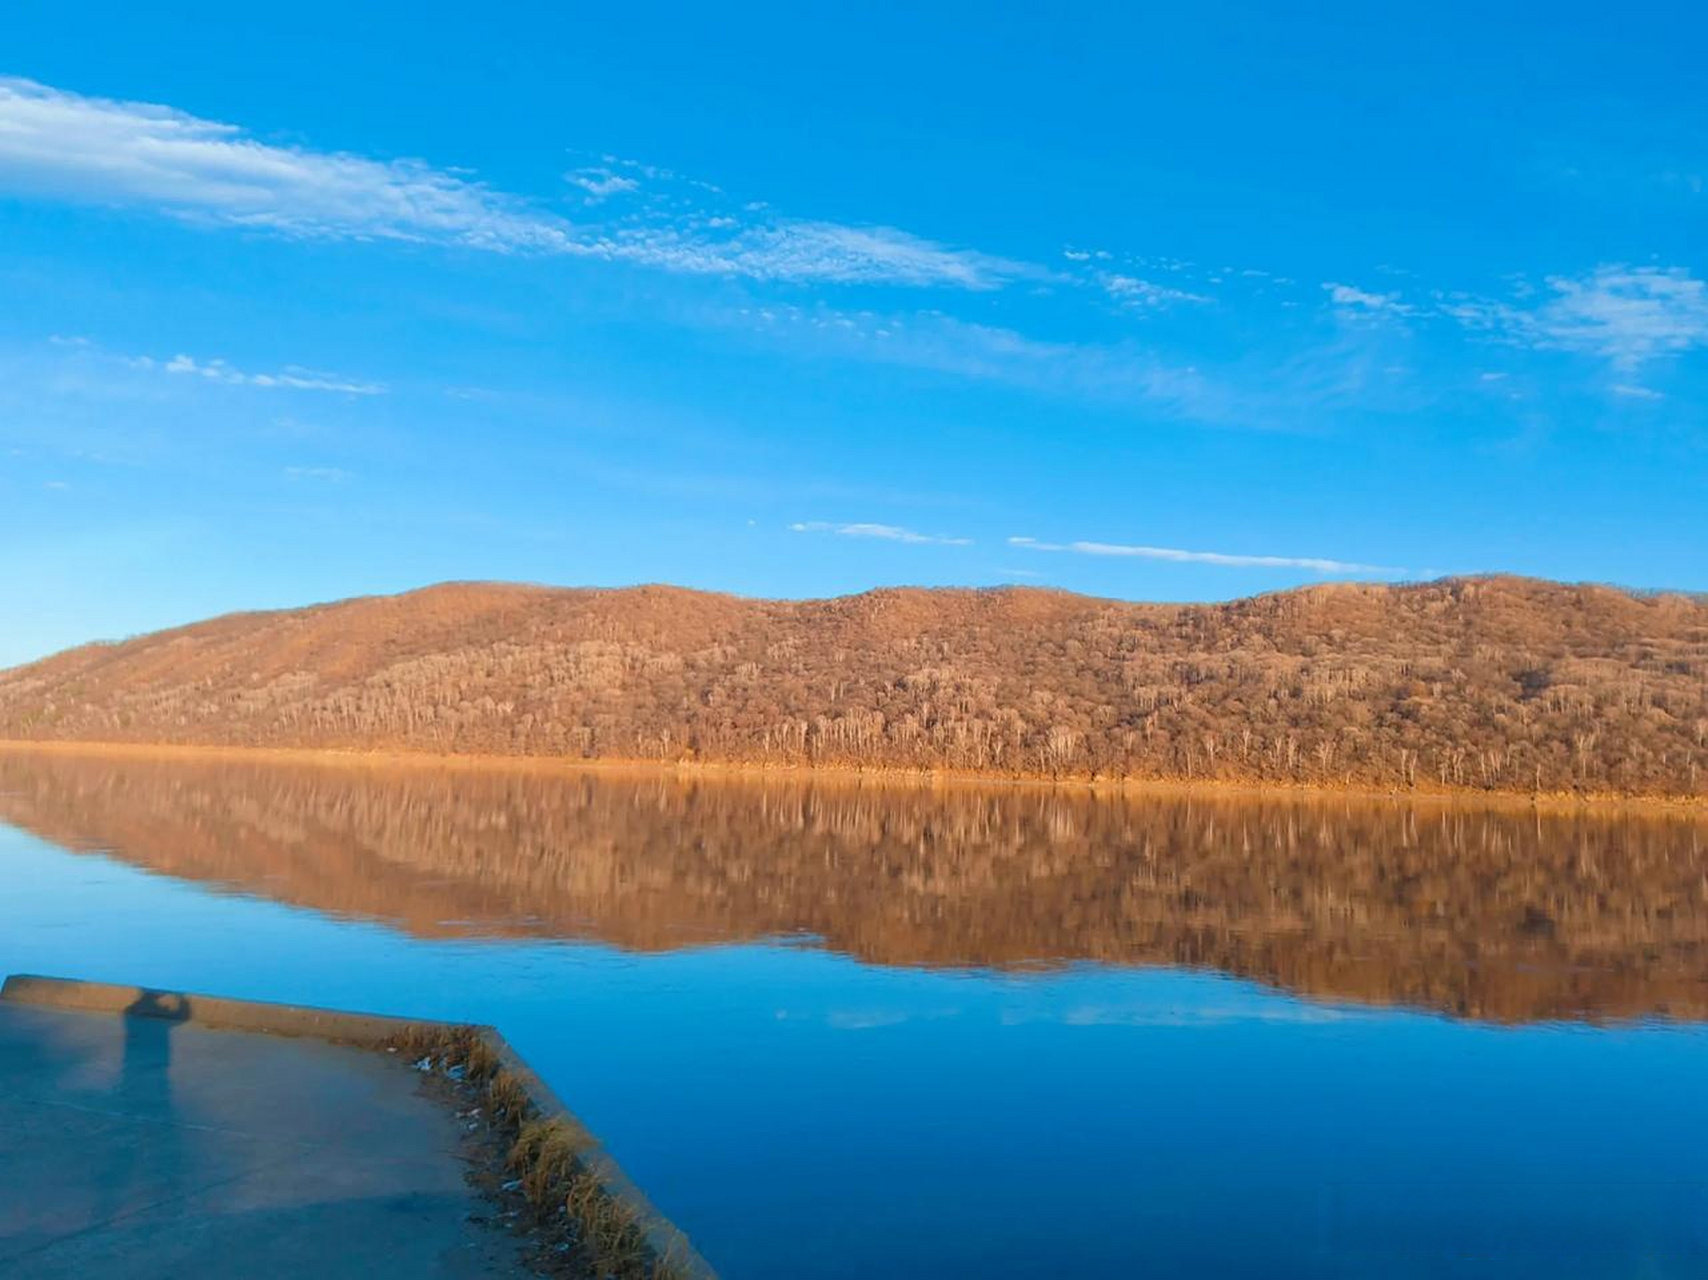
(916, 779)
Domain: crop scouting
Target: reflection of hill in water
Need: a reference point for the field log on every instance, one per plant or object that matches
(1496, 915)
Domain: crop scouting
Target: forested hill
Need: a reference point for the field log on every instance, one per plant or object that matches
(1498, 683)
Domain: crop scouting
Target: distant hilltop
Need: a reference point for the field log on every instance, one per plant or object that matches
(1500, 684)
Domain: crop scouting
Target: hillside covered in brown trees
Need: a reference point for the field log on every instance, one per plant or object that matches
(1496, 683)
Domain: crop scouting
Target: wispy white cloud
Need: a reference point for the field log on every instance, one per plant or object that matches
(1176, 556)
(105, 152)
(1626, 315)
(1631, 391)
(1114, 373)
(1132, 291)
(800, 252)
(62, 145)
(123, 153)
(657, 173)
(1349, 299)
(1682, 180)
(884, 532)
(830, 251)
(601, 184)
(291, 378)
(326, 475)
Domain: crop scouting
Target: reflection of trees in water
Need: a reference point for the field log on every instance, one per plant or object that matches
(1503, 915)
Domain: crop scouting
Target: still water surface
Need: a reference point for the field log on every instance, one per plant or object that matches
(853, 1031)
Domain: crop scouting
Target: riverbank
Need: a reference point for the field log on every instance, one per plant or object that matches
(1230, 789)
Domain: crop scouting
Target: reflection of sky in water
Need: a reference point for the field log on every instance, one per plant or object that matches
(802, 1114)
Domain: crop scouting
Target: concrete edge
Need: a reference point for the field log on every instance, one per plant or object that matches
(664, 1237)
(370, 1031)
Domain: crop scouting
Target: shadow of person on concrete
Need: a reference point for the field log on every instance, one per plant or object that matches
(37, 1065)
(147, 1166)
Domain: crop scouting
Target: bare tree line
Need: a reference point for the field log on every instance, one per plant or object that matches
(1489, 684)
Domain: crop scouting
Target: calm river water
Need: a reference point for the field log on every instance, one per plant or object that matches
(850, 1031)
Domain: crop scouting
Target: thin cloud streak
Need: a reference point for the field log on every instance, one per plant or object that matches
(1132, 291)
(218, 371)
(1118, 374)
(1174, 555)
(883, 532)
(121, 153)
(100, 151)
(292, 378)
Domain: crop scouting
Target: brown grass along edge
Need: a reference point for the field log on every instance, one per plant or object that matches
(888, 777)
(553, 1160)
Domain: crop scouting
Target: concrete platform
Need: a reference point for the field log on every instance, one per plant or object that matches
(145, 1147)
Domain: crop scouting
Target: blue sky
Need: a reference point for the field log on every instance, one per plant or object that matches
(1175, 304)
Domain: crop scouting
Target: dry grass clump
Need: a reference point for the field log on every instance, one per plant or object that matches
(461, 1052)
(545, 1156)
(507, 1096)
